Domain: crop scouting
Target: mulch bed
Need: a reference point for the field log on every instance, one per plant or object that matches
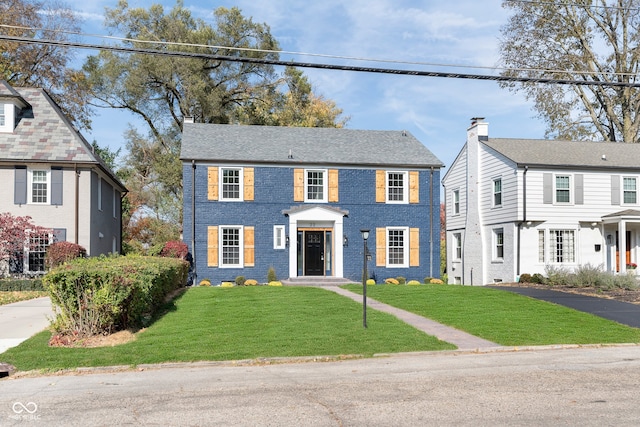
(624, 295)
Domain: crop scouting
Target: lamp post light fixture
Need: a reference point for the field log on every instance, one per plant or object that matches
(365, 236)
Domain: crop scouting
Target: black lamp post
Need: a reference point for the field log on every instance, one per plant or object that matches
(365, 236)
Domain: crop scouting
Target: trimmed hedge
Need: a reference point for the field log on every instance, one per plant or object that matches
(21, 285)
(105, 294)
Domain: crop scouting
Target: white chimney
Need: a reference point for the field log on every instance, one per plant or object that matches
(479, 128)
(188, 119)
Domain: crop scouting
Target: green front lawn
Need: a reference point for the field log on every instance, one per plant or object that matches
(502, 317)
(241, 323)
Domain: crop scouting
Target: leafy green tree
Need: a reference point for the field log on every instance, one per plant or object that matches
(39, 65)
(163, 90)
(582, 40)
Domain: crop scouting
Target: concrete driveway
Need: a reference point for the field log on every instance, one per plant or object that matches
(21, 320)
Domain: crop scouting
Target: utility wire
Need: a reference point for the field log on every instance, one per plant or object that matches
(298, 64)
(584, 6)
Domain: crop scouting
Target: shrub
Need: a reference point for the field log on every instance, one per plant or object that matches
(370, 282)
(271, 275)
(525, 278)
(275, 283)
(413, 283)
(175, 249)
(227, 285)
(205, 282)
(61, 252)
(557, 276)
(436, 282)
(401, 280)
(104, 294)
(391, 281)
(240, 280)
(588, 275)
(21, 285)
(537, 278)
(250, 282)
(427, 279)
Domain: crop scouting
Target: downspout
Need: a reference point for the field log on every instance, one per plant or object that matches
(431, 224)
(77, 206)
(193, 220)
(524, 216)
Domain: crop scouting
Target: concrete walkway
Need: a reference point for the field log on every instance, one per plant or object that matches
(462, 340)
(21, 320)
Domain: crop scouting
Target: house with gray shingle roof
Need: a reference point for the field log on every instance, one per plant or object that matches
(516, 206)
(296, 199)
(51, 174)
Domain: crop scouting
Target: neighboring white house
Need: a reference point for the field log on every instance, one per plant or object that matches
(50, 173)
(515, 206)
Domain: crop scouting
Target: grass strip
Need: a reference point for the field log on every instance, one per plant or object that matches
(8, 297)
(240, 323)
(502, 317)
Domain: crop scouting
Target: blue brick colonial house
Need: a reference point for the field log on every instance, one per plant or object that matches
(295, 199)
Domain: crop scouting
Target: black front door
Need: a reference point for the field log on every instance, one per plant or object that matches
(314, 253)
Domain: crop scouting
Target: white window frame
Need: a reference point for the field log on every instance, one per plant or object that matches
(541, 247)
(495, 193)
(325, 185)
(240, 197)
(30, 186)
(27, 252)
(457, 247)
(3, 117)
(498, 243)
(114, 203)
(279, 238)
(405, 187)
(405, 247)
(569, 189)
(221, 247)
(569, 252)
(634, 191)
(455, 202)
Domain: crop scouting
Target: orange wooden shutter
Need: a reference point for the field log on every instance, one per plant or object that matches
(381, 247)
(212, 183)
(249, 247)
(212, 246)
(248, 184)
(414, 187)
(414, 247)
(333, 185)
(298, 185)
(381, 177)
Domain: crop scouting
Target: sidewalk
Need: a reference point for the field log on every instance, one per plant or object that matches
(462, 340)
(20, 320)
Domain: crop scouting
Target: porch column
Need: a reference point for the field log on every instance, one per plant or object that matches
(622, 247)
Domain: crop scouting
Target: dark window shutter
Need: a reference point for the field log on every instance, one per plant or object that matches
(547, 188)
(615, 190)
(56, 186)
(579, 188)
(20, 186)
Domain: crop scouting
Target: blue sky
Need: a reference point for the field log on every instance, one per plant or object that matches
(435, 110)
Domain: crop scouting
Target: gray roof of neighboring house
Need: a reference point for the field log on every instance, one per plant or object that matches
(543, 152)
(313, 146)
(43, 133)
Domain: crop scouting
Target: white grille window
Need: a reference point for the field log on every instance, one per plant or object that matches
(497, 192)
(315, 186)
(498, 236)
(563, 192)
(562, 246)
(39, 186)
(456, 202)
(231, 181)
(541, 258)
(397, 247)
(457, 241)
(397, 187)
(629, 189)
(231, 246)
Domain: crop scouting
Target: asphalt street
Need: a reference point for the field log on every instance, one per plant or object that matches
(586, 386)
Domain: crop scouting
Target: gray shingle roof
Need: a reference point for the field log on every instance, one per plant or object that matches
(44, 134)
(319, 146)
(543, 152)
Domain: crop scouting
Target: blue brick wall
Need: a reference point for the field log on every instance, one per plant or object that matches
(273, 193)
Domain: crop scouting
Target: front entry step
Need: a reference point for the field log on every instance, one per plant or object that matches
(316, 281)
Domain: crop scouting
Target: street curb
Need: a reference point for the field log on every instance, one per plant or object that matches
(266, 361)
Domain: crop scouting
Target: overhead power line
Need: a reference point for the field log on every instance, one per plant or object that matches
(298, 64)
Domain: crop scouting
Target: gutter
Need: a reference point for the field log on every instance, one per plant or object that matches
(193, 220)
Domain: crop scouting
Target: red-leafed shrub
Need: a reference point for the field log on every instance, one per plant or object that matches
(175, 249)
(61, 252)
